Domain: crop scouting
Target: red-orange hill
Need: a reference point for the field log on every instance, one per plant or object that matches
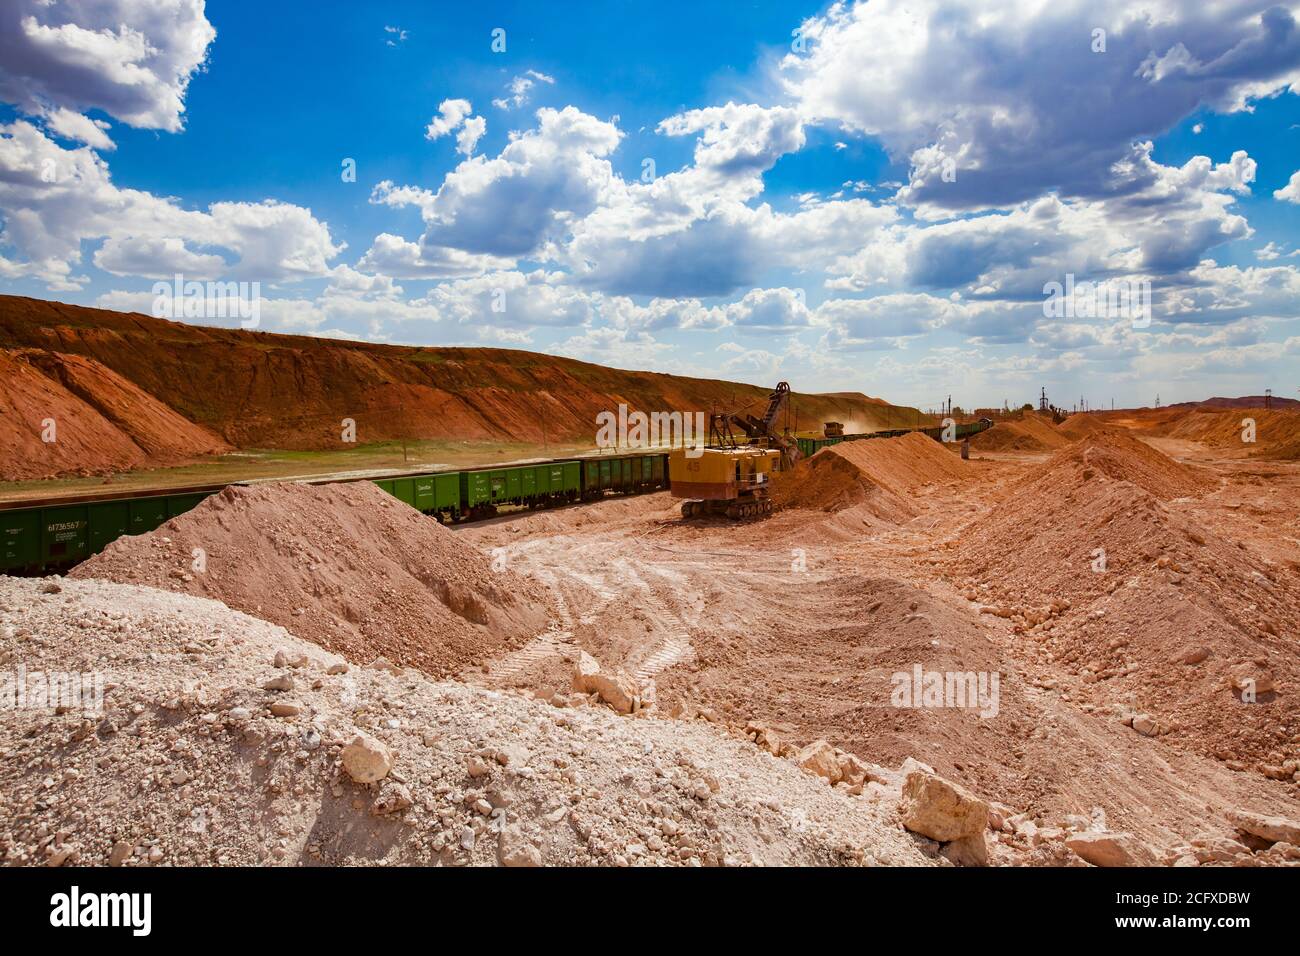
(258, 389)
(66, 414)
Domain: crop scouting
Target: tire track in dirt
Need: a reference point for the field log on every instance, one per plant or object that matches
(668, 598)
(555, 642)
(670, 618)
(513, 667)
(676, 649)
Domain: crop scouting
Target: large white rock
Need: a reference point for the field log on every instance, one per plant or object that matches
(940, 809)
(366, 759)
(820, 758)
(1111, 849)
(617, 689)
(1274, 829)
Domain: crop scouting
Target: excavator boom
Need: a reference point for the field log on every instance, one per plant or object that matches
(774, 404)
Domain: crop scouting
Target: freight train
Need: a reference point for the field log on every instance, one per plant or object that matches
(810, 446)
(57, 534)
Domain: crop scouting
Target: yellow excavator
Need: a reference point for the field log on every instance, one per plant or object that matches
(732, 478)
(729, 478)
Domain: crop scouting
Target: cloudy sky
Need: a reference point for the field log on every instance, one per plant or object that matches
(862, 196)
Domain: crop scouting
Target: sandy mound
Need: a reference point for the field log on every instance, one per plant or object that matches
(877, 472)
(1027, 433)
(102, 422)
(1277, 433)
(346, 566)
(827, 482)
(1118, 456)
(1080, 426)
(903, 465)
(1154, 615)
(829, 676)
(189, 764)
(1286, 451)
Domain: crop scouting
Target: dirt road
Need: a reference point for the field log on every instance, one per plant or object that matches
(802, 620)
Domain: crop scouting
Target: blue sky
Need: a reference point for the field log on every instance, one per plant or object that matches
(868, 197)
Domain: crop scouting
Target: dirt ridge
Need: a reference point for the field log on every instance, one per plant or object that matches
(260, 389)
(101, 421)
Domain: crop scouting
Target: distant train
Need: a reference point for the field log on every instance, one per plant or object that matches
(810, 446)
(55, 534)
(59, 533)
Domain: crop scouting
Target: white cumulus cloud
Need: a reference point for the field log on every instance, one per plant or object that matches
(1012, 100)
(1291, 191)
(454, 117)
(133, 59)
(519, 89)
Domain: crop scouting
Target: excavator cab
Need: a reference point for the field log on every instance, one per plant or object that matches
(727, 481)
